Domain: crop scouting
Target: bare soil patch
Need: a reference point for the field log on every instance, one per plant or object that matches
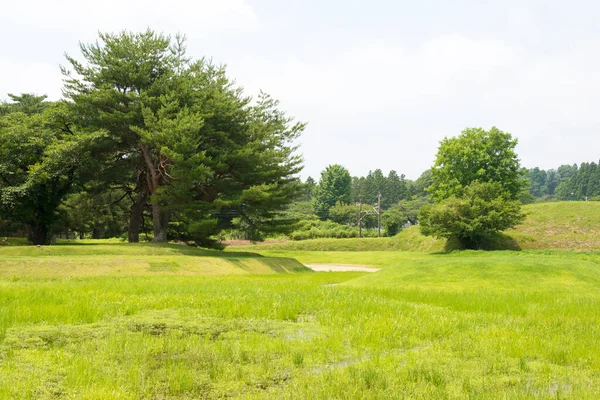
(341, 267)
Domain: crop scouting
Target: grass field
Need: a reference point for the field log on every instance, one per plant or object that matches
(171, 322)
(84, 260)
(572, 226)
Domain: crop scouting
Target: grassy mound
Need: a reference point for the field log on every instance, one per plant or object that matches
(573, 226)
(135, 259)
(478, 271)
(410, 239)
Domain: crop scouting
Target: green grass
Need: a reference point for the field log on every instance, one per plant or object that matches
(572, 226)
(84, 260)
(409, 239)
(469, 325)
(10, 241)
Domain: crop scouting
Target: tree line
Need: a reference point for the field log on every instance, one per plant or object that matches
(567, 182)
(473, 191)
(350, 201)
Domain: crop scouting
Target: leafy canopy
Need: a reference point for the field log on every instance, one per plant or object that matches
(477, 155)
(41, 159)
(476, 184)
(473, 215)
(335, 186)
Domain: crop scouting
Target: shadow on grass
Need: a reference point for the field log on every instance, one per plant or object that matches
(498, 242)
(102, 246)
(278, 265)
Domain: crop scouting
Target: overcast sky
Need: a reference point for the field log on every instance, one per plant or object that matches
(380, 83)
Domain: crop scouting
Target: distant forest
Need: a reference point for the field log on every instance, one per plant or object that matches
(567, 182)
(331, 207)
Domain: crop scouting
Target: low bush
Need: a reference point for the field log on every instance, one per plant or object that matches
(316, 229)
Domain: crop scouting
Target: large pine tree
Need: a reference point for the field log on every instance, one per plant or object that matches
(186, 139)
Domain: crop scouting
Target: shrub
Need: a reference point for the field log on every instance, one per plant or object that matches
(473, 216)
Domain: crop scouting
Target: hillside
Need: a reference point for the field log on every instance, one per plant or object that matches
(549, 226)
(573, 225)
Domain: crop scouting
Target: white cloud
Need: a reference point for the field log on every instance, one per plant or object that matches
(378, 74)
(26, 77)
(37, 32)
(406, 88)
(409, 98)
(202, 17)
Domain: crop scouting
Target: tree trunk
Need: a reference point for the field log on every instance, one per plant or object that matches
(154, 177)
(38, 234)
(160, 218)
(97, 232)
(135, 217)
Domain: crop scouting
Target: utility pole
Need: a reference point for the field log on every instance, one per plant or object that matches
(360, 219)
(379, 214)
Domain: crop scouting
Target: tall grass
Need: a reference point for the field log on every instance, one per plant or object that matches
(463, 325)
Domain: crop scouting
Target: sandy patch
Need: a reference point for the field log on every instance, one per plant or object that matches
(341, 267)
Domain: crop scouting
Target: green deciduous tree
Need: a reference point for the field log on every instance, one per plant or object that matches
(419, 187)
(537, 182)
(473, 215)
(477, 155)
(41, 159)
(348, 214)
(405, 212)
(477, 181)
(335, 186)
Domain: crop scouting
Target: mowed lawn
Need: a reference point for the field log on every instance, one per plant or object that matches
(171, 322)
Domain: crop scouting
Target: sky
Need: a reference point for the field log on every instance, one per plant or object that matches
(379, 83)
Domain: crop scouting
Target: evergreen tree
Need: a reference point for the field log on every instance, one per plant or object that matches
(537, 182)
(379, 185)
(202, 155)
(593, 186)
(566, 172)
(309, 189)
(357, 188)
(369, 189)
(552, 181)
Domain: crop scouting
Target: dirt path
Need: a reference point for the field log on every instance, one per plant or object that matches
(341, 268)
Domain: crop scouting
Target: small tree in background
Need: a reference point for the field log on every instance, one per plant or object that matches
(335, 186)
(403, 213)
